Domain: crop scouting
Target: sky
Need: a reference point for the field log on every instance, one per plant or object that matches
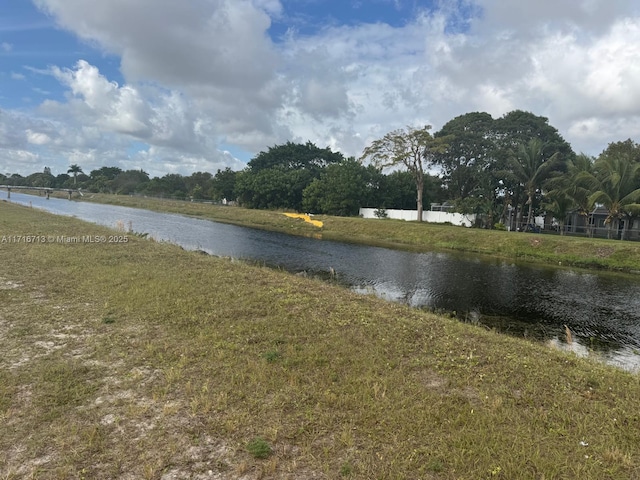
(180, 86)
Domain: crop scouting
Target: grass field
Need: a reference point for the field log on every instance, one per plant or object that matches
(541, 248)
(141, 360)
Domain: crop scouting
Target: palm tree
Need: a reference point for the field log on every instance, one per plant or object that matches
(580, 172)
(616, 187)
(75, 170)
(559, 204)
(531, 169)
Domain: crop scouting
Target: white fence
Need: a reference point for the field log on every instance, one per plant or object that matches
(427, 216)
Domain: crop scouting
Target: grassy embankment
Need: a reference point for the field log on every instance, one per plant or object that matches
(550, 249)
(140, 360)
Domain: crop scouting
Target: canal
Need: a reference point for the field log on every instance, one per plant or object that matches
(602, 310)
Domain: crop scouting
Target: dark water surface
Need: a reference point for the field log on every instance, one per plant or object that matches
(602, 310)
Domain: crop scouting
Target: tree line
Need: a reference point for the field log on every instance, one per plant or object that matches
(301, 177)
(520, 165)
(505, 170)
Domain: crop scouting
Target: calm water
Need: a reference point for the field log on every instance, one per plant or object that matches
(602, 310)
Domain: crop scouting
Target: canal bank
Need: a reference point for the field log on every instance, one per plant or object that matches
(601, 310)
(598, 254)
(143, 359)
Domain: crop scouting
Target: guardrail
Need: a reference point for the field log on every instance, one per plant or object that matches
(48, 190)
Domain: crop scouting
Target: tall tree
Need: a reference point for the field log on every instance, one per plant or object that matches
(102, 179)
(109, 173)
(198, 185)
(172, 185)
(414, 148)
(518, 127)
(15, 179)
(75, 170)
(44, 179)
(616, 181)
(62, 180)
(270, 188)
(342, 189)
(223, 185)
(531, 168)
(627, 150)
(398, 190)
(465, 162)
(558, 203)
(130, 181)
(276, 178)
(293, 156)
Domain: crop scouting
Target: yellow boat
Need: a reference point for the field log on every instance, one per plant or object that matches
(306, 218)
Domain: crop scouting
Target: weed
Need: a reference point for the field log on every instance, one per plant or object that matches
(435, 466)
(271, 356)
(259, 448)
(346, 469)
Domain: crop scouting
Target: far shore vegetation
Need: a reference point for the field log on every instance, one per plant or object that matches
(578, 252)
(142, 360)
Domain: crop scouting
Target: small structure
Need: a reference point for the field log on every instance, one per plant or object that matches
(595, 225)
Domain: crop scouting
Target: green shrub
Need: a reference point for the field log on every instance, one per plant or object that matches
(259, 448)
(380, 212)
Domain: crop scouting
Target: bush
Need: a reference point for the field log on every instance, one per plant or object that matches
(380, 212)
(259, 448)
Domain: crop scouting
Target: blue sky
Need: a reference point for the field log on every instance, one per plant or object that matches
(173, 86)
(308, 17)
(32, 42)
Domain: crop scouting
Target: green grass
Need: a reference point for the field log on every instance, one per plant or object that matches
(540, 248)
(201, 356)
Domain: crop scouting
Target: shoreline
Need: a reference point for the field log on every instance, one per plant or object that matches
(544, 248)
(549, 249)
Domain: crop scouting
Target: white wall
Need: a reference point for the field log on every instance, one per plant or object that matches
(427, 216)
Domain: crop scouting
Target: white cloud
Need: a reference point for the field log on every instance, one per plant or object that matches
(530, 18)
(37, 138)
(25, 161)
(99, 122)
(217, 52)
(164, 119)
(118, 109)
(574, 62)
(272, 7)
(204, 73)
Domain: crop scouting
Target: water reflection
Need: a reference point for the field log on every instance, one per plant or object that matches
(602, 310)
